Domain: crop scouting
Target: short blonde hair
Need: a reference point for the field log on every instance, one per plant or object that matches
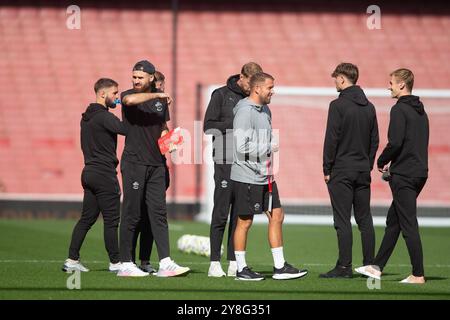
(258, 78)
(406, 76)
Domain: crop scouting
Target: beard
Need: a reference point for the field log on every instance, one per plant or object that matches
(110, 103)
(143, 88)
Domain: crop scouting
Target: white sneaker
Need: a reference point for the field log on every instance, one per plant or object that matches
(369, 271)
(171, 270)
(148, 268)
(73, 265)
(232, 269)
(114, 267)
(129, 269)
(413, 280)
(215, 270)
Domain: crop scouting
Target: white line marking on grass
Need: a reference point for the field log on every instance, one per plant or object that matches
(328, 220)
(207, 263)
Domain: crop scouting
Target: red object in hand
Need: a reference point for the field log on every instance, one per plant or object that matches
(173, 136)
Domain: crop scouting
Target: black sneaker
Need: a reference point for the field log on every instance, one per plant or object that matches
(338, 272)
(288, 272)
(248, 275)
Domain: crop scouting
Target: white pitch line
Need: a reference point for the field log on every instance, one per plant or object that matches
(207, 263)
(303, 219)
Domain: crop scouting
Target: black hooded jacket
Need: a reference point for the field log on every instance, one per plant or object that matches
(99, 129)
(219, 119)
(408, 136)
(351, 138)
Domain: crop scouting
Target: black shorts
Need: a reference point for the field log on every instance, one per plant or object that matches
(252, 199)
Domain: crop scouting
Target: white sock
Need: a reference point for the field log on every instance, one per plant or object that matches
(215, 263)
(278, 257)
(240, 260)
(164, 262)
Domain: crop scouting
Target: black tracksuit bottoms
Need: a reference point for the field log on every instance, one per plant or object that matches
(144, 231)
(101, 194)
(347, 189)
(145, 235)
(143, 185)
(223, 194)
(402, 216)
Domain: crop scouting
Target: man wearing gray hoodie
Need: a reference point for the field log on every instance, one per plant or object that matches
(253, 189)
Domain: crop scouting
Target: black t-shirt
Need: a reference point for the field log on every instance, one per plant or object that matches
(144, 123)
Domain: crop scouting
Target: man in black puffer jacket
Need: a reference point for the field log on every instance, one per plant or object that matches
(351, 142)
(219, 123)
(407, 153)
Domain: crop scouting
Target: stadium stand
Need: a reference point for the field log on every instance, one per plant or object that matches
(47, 74)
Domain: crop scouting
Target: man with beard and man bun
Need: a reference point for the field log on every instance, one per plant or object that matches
(145, 115)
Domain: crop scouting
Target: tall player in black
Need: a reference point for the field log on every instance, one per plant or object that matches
(144, 231)
(145, 115)
(351, 142)
(219, 123)
(99, 130)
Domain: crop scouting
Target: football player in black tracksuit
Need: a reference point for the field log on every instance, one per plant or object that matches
(144, 231)
(351, 142)
(99, 129)
(145, 115)
(407, 153)
(219, 123)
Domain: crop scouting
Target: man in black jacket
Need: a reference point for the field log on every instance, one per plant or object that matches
(351, 142)
(99, 129)
(407, 153)
(219, 123)
(145, 115)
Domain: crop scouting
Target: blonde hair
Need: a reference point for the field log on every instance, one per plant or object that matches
(258, 78)
(406, 76)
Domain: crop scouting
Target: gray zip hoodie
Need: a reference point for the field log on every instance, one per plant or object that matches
(252, 131)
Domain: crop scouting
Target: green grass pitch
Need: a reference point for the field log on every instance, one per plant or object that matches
(32, 252)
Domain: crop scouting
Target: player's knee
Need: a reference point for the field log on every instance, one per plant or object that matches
(245, 222)
(277, 216)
